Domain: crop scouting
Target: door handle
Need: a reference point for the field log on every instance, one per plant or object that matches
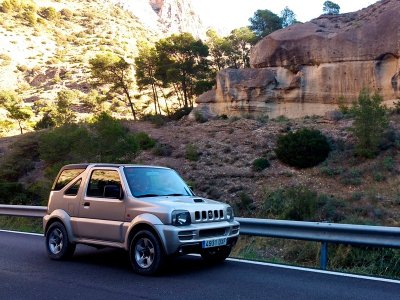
(86, 204)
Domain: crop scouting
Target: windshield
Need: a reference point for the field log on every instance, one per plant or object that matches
(153, 182)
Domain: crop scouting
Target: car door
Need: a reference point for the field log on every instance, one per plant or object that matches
(102, 211)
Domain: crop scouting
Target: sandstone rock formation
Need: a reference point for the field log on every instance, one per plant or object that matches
(308, 68)
(166, 16)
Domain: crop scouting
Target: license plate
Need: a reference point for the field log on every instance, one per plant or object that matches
(213, 243)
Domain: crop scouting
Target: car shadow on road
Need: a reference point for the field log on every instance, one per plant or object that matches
(119, 259)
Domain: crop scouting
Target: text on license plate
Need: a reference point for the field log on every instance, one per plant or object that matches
(213, 243)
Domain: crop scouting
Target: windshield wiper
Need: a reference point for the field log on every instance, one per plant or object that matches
(176, 195)
(147, 195)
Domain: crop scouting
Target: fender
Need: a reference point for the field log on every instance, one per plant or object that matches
(147, 219)
(65, 219)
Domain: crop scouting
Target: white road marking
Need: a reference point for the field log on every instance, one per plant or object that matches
(314, 270)
(21, 232)
(270, 265)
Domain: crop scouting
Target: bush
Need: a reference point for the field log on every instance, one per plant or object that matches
(302, 149)
(145, 142)
(180, 113)
(162, 150)
(20, 159)
(370, 122)
(49, 13)
(67, 14)
(294, 203)
(191, 153)
(260, 164)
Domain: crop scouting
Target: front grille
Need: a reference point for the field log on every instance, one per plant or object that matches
(212, 232)
(209, 215)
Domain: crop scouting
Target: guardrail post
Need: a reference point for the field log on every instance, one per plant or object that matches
(324, 255)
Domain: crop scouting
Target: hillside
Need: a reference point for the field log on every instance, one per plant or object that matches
(46, 45)
(216, 158)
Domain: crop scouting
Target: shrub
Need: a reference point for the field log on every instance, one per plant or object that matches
(260, 164)
(20, 158)
(245, 203)
(6, 59)
(145, 142)
(199, 117)
(191, 152)
(45, 122)
(67, 14)
(294, 203)
(49, 13)
(302, 149)
(162, 150)
(370, 122)
(180, 113)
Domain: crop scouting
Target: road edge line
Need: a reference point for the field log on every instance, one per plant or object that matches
(315, 270)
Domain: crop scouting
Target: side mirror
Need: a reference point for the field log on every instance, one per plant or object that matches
(113, 191)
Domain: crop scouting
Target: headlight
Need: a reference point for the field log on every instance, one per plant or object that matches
(229, 214)
(181, 218)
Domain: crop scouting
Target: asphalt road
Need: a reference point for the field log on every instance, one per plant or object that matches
(27, 273)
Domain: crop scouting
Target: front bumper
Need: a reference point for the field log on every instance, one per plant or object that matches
(188, 239)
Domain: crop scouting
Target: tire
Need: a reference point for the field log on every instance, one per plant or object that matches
(146, 253)
(216, 255)
(57, 242)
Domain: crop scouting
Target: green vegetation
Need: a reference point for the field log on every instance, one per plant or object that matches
(104, 139)
(49, 13)
(264, 22)
(330, 8)
(260, 164)
(191, 152)
(302, 149)
(370, 122)
(111, 69)
(16, 110)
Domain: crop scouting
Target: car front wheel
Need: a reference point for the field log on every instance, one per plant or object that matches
(146, 253)
(57, 242)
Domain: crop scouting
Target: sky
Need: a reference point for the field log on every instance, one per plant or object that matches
(230, 14)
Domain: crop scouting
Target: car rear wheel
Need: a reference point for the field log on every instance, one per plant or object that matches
(57, 242)
(146, 253)
(216, 255)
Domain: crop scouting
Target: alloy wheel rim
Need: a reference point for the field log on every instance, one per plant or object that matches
(144, 253)
(56, 241)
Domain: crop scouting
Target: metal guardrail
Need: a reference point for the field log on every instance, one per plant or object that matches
(377, 236)
(23, 211)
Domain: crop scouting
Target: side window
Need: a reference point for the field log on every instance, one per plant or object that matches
(104, 184)
(66, 177)
(73, 190)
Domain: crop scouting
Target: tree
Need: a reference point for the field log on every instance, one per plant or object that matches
(330, 8)
(288, 17)
(240, 41)
(63, 113)
(219, 48)
(111, 69)
(146, 68)
(15, 108)
(264, 22)
(183, 63)
(370, 122)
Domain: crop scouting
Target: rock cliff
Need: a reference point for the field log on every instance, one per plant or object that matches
(166, 16)
(308, 68)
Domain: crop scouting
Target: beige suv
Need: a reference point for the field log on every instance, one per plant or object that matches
(146, 210)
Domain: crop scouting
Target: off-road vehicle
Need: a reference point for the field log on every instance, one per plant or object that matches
(146, 210)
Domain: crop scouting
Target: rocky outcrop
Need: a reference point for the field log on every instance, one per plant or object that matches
(166, 16)
(308, 68)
